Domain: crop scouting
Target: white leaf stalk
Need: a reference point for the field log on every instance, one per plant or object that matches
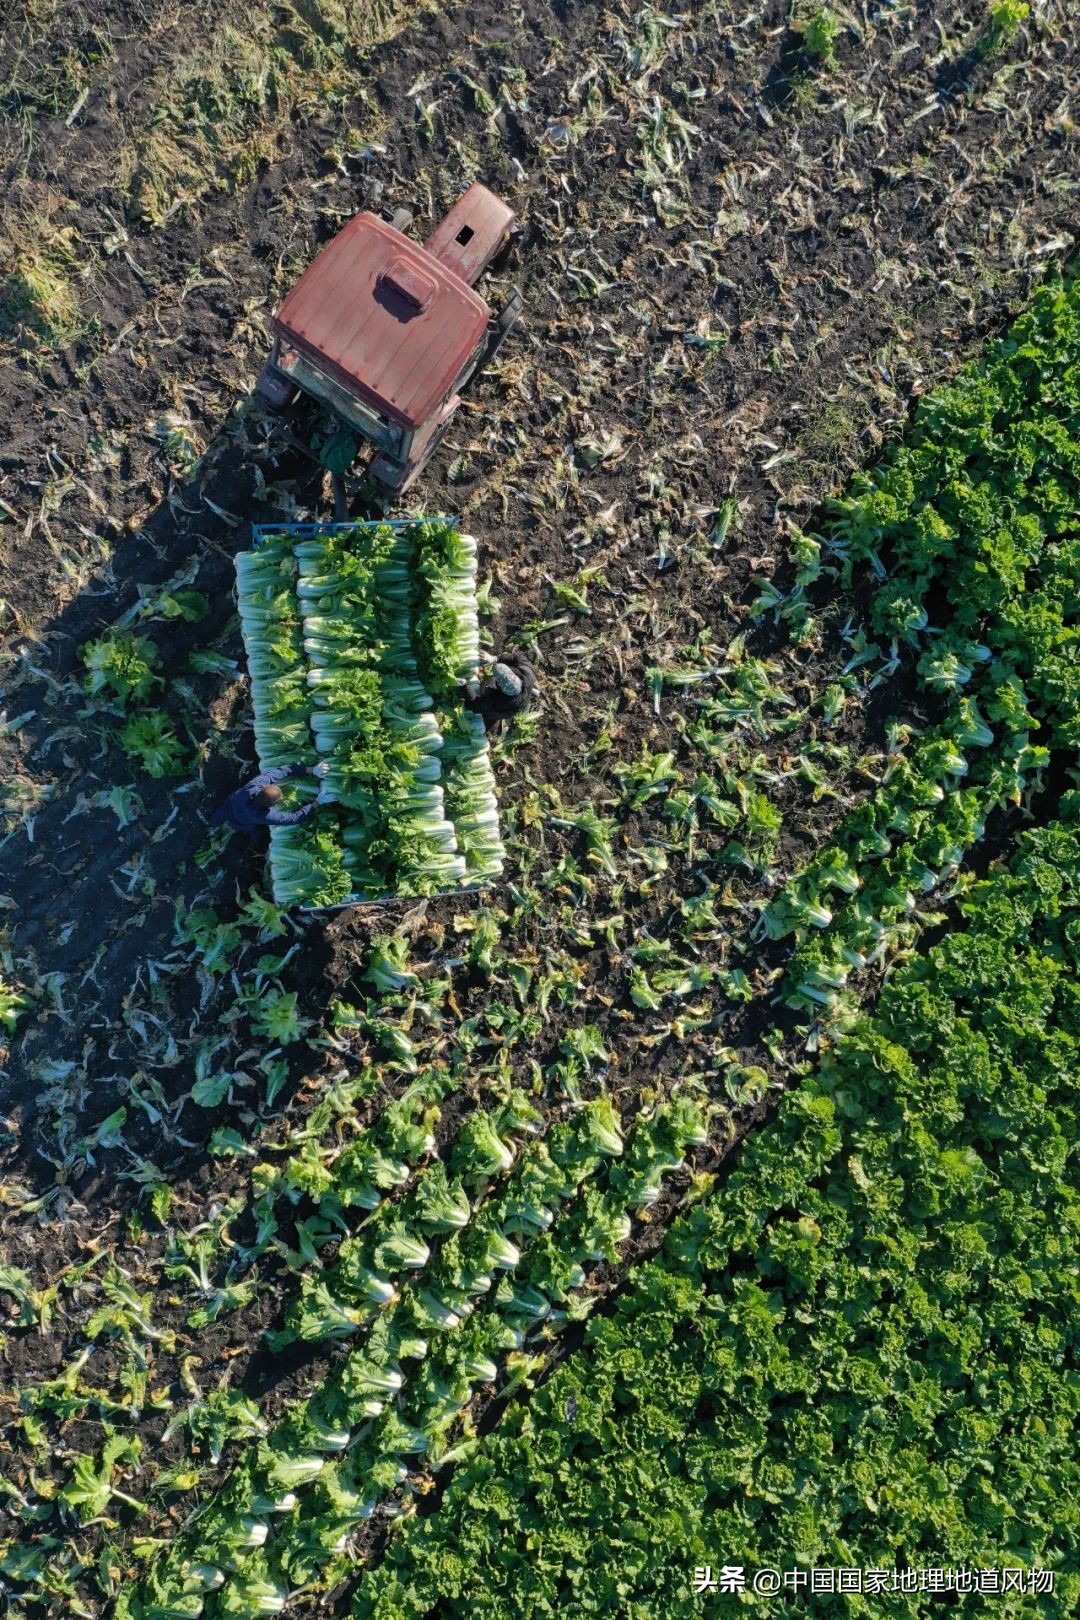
(359, 646)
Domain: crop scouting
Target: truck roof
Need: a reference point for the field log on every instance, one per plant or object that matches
(385, 318)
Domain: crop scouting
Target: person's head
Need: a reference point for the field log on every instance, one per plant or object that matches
(269, 797)
(507, 680)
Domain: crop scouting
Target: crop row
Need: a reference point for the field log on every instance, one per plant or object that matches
(970, 520)
(283, 1514)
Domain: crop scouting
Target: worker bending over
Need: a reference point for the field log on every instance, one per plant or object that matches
(507, 691)
(255, 804)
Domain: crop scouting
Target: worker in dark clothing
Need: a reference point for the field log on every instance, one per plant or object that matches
(255, 804)
(505, 692)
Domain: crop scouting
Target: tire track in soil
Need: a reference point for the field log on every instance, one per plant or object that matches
(351, 935)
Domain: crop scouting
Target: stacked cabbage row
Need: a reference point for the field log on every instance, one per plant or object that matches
(359, 640)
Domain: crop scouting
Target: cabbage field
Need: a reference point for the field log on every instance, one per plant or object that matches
(661, 1196)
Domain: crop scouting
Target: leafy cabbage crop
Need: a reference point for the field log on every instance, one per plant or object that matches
(359, 640)
(856, 1352)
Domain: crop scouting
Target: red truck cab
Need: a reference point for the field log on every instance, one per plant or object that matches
(386, 333)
